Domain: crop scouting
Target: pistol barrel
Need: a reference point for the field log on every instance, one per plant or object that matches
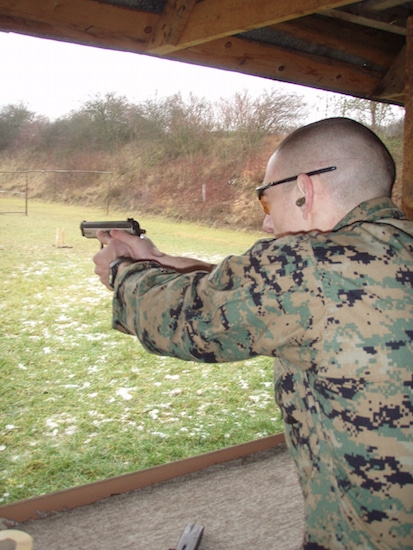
(89, 229)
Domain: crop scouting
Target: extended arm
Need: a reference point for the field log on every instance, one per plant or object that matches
(248, 305)
(122, 244)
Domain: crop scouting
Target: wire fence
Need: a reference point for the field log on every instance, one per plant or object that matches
(25, 192)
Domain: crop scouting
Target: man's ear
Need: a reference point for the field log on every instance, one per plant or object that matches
(306, 197)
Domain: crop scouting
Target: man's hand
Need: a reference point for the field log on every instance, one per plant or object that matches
(140, 248)
(121, 244)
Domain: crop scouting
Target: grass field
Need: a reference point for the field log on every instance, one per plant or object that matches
(80, 402)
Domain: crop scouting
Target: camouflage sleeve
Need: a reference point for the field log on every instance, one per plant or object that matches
(248, 305)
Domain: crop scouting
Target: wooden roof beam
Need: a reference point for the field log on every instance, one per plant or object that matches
(83, 22)
(216, 19)
(374, 46)
(282, 64)
(368, 19)
(171, 24)
(392, 85)
(382, 4)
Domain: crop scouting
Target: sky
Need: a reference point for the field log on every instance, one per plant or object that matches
(53, 78)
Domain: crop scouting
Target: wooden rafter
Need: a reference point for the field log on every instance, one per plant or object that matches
(392, 85)
(170, 26)
(216, 19)
(280, 64)
(366, 20)
(298, 41)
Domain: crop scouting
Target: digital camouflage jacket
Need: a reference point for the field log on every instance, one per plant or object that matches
(335, 310)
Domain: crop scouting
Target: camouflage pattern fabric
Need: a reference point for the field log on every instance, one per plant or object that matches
(335, 310)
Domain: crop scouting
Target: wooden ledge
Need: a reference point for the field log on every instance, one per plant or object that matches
(68, 499)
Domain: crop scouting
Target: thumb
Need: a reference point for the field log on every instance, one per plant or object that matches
(103, 236)
(142, 248)
(124, 236)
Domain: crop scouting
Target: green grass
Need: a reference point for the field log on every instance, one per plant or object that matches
(80, 402)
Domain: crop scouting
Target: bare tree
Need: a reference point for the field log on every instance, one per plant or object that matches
(14, 119)
(187, 124)
(253, 118)
(109, 120)
(374, 114)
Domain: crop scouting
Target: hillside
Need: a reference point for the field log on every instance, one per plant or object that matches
(216, 188)
(190, 161)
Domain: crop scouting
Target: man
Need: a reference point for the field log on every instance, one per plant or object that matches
(330, 297)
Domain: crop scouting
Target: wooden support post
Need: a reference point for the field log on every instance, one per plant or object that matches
(407, 186)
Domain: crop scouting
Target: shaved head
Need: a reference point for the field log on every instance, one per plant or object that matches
(365, 168)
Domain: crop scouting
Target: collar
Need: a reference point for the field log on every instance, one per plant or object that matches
(372, 210)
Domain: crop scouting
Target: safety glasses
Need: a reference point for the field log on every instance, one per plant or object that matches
(260, 190)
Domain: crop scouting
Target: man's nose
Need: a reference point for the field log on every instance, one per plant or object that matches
(267, 224)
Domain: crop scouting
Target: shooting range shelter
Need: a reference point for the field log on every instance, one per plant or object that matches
(362, 49)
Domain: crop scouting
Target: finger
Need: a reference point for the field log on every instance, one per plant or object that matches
(103, 236)
(124, 236)
(142, 247)
(103, 275)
